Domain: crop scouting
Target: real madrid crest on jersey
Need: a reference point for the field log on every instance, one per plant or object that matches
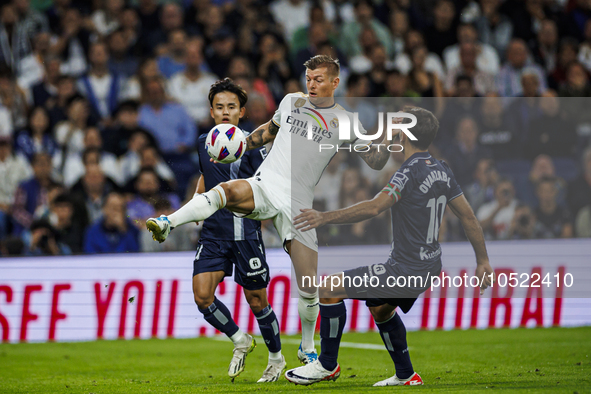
(334, 123)
(300, 102)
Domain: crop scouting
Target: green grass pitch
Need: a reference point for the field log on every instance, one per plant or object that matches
(555, 360)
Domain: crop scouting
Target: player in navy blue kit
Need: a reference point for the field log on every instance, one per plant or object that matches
(417, 195)
(229, 242)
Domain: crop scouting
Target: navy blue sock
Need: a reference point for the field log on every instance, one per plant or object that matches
(393, 334)
(269, 327)
(218, 315)
(332, 322)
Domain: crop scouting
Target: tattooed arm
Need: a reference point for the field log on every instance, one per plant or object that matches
(262, 135)
(376, 156)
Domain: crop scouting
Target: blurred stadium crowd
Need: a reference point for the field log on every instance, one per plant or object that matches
(101, 104)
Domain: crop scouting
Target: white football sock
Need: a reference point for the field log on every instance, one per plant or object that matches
(275, 357)
(200, 207)
(308, 309)
(239, 338)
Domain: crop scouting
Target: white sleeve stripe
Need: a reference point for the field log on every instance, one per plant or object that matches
(453, 198)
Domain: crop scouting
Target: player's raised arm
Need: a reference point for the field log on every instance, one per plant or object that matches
(262, 135)
(310, 218)
(388, 196)
(462, 209)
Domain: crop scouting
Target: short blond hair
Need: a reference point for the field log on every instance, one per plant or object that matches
(318, 61)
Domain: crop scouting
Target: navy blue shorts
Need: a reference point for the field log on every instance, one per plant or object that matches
(252, 271)
(387, 283)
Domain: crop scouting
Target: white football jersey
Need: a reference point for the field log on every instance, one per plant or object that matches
(295, 162)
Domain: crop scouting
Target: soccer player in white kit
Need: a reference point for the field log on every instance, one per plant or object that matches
(284, 183)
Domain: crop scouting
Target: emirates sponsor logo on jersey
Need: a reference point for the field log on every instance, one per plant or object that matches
(311, 129)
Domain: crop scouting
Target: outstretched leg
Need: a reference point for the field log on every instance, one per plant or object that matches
(236, 195)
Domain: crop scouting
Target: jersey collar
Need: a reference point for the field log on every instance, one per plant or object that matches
(319, 107)
(418, 155)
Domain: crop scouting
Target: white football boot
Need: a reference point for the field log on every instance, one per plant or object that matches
(414, 380)
(273, 371)
(307, 358)
(312, 373)
(159, 227)
(240, 352)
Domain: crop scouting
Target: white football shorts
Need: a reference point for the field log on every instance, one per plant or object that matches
(270, 202)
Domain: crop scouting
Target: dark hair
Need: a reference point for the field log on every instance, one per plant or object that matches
(228, 85)
(368, 3)
(6, 72)
(109, 194)
(318, 61)
(89, 151)
(75, 97)
(323, 44)
(440, 2)
(44, 110)
(354, 79)
(316, 5)
(146, 170)
(63, 198)
(64, 77)
(568, 42)
(464, 78)
(127, 105)
(394, 72)
(13, 246)
(466, 24)
(42, 223)
(162, 204)
(119, 29)
(426, 127)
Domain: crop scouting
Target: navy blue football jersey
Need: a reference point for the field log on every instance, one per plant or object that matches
(223, 225)
(421, 187)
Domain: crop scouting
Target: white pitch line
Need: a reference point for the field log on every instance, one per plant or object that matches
(352, 345)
